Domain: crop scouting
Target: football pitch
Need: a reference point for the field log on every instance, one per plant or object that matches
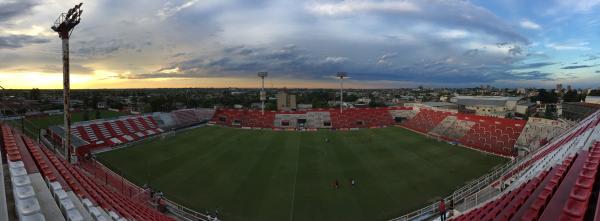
(275, 175)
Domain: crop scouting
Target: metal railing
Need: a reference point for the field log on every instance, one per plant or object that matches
(186, 213)
(471, 195)
(458, 196)
(109, 177)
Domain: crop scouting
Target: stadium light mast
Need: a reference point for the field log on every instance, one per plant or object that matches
(64, 25)
(341, 76)
(263, 94)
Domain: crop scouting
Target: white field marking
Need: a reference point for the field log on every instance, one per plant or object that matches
(294, 186)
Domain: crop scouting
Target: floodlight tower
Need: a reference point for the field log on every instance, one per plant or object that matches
(341, 76)
(64, 25)
(263, 94)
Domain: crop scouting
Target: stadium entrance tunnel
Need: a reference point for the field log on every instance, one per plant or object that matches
(399, 119)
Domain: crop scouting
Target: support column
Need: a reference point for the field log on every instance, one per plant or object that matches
(66, 99)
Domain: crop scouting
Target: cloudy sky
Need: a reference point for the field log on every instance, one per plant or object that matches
(380, 43)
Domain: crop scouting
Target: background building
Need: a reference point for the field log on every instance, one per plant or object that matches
(488, 105)
(285, 101)
(592, 99)
(578, 110)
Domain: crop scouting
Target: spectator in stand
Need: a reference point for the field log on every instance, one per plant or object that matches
(442, 208)
(451, 208)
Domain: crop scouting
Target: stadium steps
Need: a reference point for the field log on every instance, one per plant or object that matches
(568, 191)
(104, 131)
(32, 197)
(143, 123)
(105, 198)
(61, 189)
(112, 131)
(116, 128)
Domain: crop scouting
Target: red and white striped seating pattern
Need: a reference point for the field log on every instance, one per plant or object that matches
(114, 132)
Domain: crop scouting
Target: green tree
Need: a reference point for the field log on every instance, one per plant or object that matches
(374, 103)
(34, 94)
(86, 114)
(550, 112)
(545, 97)
(571, 96)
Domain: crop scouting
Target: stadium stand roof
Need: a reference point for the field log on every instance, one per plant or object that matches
(592, 99)
(483, 100)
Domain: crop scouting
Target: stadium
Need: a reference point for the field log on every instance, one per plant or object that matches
(298, 165)
(139, 139)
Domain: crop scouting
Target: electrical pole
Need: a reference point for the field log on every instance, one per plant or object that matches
(64, 25)
(3, 103)
(263, 94)
(342, 75)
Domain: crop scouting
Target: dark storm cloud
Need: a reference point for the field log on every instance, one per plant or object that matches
(19, 41)
(592, 58)
(457, 14)
(577, 66)
(245, 61)
(101, 48)
(10, 9)
(74, 68)
(533, 65)
(450, 41)
(299, 63)
(471, 52)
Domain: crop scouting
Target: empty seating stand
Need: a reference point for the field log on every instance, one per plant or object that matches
(494, 135)
(426, 120)
(568, 191)
(30, 193)
(489, 134)
(115, 132)
(76, 194)
(26, 202)
(187, 117)
(349, 118)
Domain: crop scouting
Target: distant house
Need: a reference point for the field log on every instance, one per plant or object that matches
(286, 101)
(256, 105)
(489, 105)
(438, 105)
(525, 108)
(101, 105)
(304, 106)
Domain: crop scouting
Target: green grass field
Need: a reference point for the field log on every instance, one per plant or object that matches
(33, 125)
(267, 175)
